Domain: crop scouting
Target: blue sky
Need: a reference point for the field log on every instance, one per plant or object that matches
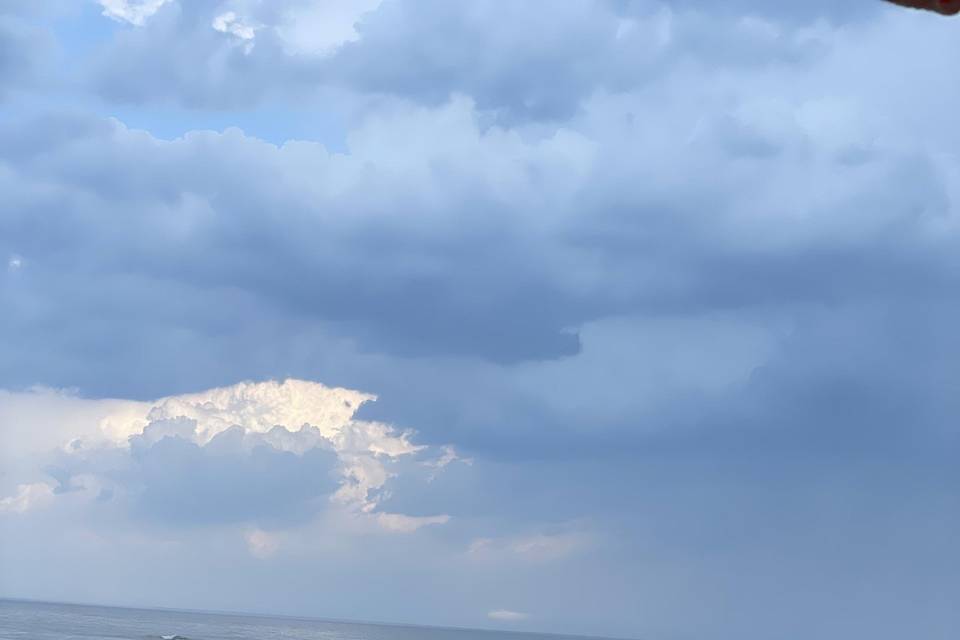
(631, 317)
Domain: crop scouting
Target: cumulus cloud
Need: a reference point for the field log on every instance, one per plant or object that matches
(271, 451)
(257, 408)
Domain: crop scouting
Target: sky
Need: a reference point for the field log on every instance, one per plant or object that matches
(622, 317)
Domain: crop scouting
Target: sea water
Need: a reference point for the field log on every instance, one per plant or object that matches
(45, 621)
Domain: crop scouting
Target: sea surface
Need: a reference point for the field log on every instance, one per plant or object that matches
(46, 621)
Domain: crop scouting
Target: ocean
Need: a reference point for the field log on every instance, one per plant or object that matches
(21, 620)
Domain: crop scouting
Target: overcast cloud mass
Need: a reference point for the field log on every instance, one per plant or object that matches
(622, 317)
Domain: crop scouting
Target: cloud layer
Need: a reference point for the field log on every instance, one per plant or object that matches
(657, 300)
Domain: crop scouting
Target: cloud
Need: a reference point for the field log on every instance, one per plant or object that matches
(659, 264)
(408, 524)
(448, 456)
(429, 51)
(25, 51)
(136, 12)
(177, 481)
(527, 245)
(541, 547)
(261, 406)
(28, 496)
(505, 615)
(650, 265)
(255, 452)
(262, 544)
(320, 28)
(230, 23)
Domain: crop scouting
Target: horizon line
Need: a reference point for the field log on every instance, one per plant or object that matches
(307, 618)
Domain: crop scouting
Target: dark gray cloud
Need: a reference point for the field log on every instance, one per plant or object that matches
(167, 478)
(183, 482)
(429, 51)
(435, 237)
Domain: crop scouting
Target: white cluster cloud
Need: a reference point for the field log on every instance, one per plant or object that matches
(311, 414)
(292, 416)
(257, 407)
(136, 12)
(229, 22)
